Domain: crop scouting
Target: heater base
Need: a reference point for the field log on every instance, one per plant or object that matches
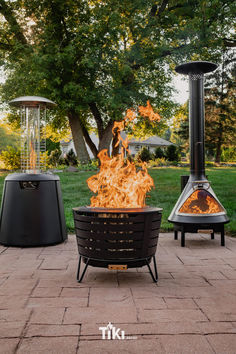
(32, 212)
(199, 228)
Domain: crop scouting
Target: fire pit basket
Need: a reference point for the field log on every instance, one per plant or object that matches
(117, 238)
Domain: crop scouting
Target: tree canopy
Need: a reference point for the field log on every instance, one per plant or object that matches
(97, 58)
(220, 109)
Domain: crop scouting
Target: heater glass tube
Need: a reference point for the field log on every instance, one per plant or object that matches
(30, 147)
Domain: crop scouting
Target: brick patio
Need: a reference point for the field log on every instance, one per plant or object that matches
(192, 309)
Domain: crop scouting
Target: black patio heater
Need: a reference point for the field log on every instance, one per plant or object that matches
(32, 212)
(197, 209)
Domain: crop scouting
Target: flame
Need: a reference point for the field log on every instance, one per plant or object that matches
(148, 112)
(201, 202)
(118, 184)
(33, 157)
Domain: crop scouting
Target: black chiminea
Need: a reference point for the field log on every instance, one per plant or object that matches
(197, 209)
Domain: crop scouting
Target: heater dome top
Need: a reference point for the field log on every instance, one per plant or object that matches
(31, 101)
(196, 67)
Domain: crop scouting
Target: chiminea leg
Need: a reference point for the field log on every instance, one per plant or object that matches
(176, 235)
(182, 238)
(212, 236)
(222, 233)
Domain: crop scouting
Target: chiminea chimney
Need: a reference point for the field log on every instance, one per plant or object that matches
(197, 209)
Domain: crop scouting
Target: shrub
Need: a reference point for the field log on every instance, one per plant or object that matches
(144, 155)
(159, 153)
(91, 166)
(159, 162)
(210, 164)
(228, 154)
(55, 157)
(11, 158)
(172, 153)
(71, 159)
(52, 145)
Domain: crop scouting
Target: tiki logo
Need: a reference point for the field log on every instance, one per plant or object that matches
(111, 332)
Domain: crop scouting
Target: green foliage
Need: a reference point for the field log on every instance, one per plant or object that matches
(172, 153)
(220, 106)
(91, 166)
(159, 153)
(144, 155)
(180, 131)
(11, 158)
(52, 145)
(71, 159)
(228, 154)
(55, 157)
(159, 162)
(8, 137)
(106, 55)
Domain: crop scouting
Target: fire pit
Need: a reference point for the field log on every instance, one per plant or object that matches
(117, 238)
(32, 212)
(197, 209)
(118, 231)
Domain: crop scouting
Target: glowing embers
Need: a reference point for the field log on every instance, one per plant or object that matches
(201, 202)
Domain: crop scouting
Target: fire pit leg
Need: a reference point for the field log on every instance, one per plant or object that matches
(79, 279)
(154, 278)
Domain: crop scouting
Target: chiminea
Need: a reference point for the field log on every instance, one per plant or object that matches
(32, 212)
(197, 209)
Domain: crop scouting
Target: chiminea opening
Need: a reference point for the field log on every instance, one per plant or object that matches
(200, 202)
(197, 209)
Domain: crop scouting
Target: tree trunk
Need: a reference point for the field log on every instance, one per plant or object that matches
(218, 151)
(105, 138)
(77, 135)
(219, 144)
(115, 149)
(90, 143)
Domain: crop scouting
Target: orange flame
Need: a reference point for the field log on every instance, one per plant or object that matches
(148, 112)
(33, 157)
(118, 184)
(201, 202)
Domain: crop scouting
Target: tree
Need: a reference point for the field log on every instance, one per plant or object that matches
(96, 59)
(159, 153)
(172, 153)
(220, 106)
(8, 137)
(180, 130)
(220, 119)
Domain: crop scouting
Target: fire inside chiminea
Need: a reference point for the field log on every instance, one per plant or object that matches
(119, 184)
(118, 231)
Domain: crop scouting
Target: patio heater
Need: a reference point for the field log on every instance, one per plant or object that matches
(32, 212)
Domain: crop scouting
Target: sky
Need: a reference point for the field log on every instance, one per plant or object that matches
(180, 82)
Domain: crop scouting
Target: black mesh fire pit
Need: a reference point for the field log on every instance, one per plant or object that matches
(117, 239)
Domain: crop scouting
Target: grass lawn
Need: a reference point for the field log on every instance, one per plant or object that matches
(167, 181)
